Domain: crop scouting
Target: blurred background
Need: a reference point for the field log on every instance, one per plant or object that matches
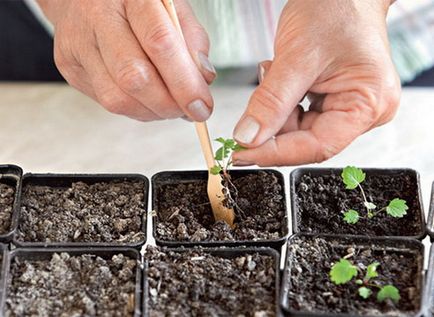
(47, 126)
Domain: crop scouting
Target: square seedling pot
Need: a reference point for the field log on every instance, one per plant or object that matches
(308, 291)
(201, 282)
(10, 178)
(4, 258)
(319, 199)
(44, 254)
(430, 221)
(429, 287)
(188, 188)
(64, 182)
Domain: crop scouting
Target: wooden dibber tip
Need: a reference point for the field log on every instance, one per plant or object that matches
(216, 198)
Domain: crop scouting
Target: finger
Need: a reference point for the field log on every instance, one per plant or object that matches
(272, 102)
(131, 69)
(328, 133)
(197, 40)
(167, 51)
(263, 68)
(294, 120)
(109, 95)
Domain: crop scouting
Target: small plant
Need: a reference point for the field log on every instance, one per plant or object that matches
(223, 155)
(353, 177)
(344, 271)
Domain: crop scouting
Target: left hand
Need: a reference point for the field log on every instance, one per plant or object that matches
(338, 52)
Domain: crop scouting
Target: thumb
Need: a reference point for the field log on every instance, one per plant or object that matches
(273, 101)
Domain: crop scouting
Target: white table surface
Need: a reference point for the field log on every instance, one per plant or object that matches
(53, 128)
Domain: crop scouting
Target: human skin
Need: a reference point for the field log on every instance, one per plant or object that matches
(128, 56)
(337, 51)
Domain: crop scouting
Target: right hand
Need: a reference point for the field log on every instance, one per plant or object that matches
(128, 56)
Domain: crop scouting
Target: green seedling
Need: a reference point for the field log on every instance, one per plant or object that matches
(353, 177)
(223, 155)
(344, 272)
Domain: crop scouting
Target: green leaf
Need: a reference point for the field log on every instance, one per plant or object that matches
(230, 143)
(351, 216)
(388, 291)
(238, 148)
(221, 153)
(215, 170)
(352, 176)
(342, 272)
(397, 208)
(364, 292)
(220, 140)
(371, 271)
(369, 205)
(359, 282)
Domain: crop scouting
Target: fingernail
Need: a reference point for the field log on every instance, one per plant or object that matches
(261, 73)
(246, 130)
(204, 61)
(242, 163)
(198, 110)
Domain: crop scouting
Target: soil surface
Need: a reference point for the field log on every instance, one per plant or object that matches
(72, 286)
(102, 212)
(184, 212)
(7, 196)
(322, 200)
(195, 283)
(312, 290)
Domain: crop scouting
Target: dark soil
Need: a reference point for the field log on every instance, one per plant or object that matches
(322, 200)
(312, 290)
(7, 196)
(195, 283)
(72, 286)
(102, 212)
(184, 212)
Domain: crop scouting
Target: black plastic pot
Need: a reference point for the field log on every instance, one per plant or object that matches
(66, 180)
(46, 254)
(4, 252)
(164, 178)
(12, 175)
(428, 299)
(402, 245)
(430, 220)
(224, 253)
(297, 174)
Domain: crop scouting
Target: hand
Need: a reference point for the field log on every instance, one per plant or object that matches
(338, 52)
(129, 57)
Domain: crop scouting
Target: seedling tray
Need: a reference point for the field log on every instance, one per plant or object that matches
(46, 254)
(4, 253)
(416, 211)
(12, 175)
(224, 253)
(430, 221)
(184, 177)
(411, 247)
(65, 181)
(429, 287)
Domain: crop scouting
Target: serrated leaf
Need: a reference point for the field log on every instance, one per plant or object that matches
(352, 177)
(397, 208)
(229, 143)
(238, 148)
(220, 140)
(369, 205)
(215, 170)
(371, 271)
(364, 292)
(351, 216)
(342, 272)
(221, 153)
(388, 291)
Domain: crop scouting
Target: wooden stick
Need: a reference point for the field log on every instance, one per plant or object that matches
(215, 187)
